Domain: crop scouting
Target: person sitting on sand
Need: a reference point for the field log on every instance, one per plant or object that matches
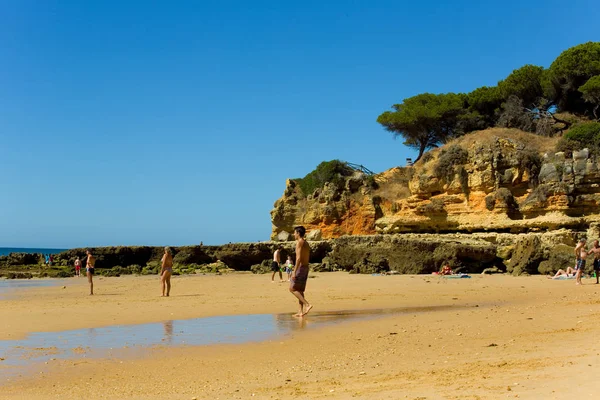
(446, 270)
(89, 270)
(166, 271)
(569, 273)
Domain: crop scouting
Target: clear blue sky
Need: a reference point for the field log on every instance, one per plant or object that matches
(175, 122)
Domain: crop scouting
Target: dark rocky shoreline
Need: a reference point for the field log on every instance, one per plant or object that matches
(403, 253)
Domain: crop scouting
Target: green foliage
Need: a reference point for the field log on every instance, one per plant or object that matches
(135, 269)
(484, 106)
(527, 99)
(572, 69)
(524, 83)
(426, 120)
(151, 268)
(586, 135)
(57, 273)
(333, 171)
(591, 94)
(450, 158)
(262, 268)
(591, 89)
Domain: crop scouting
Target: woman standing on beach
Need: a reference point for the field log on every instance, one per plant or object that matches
(166, 271)
(89, 269)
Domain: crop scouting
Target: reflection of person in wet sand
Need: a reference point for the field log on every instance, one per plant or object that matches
(166, 271)
(89, 269)
(168, 326)
(300, 274)
(580, 255)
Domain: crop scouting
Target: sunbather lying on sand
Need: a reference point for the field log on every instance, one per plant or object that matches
(570, 272)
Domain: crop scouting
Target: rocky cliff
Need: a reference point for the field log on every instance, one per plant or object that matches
(498, 180)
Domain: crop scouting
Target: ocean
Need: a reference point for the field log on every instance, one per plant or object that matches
(7, 250)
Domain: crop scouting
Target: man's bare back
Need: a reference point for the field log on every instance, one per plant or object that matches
(302, 252)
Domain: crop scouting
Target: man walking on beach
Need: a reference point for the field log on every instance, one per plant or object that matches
(275, 265)
(300, 274)
(580, 256)
(596, 250)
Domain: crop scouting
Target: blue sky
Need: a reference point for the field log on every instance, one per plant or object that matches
(178, 122)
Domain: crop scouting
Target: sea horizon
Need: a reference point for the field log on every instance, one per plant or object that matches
(4, 251)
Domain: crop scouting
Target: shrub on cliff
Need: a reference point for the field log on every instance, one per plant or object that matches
(586, 135)
(333, 171)
(450, 158)
(530, 161)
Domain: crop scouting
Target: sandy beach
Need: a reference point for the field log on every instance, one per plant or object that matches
(488, 337)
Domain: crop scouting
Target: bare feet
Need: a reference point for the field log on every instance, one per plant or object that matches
(307, 310)
(298, 315)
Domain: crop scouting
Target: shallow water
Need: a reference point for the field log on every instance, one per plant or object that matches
(108, 341)
(9, 285)
(26, 283)
(36, 353)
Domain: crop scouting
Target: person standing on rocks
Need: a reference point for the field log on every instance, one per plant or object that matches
(166, 271)
(580, 256)
(300, 274)
(275, 264)
(596, 250)
(89, 270)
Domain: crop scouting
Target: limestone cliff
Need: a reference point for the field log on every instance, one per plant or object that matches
(498, 180)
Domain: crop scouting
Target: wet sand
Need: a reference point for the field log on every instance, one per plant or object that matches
(487, 337)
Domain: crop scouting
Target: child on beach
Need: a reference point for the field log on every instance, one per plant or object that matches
(446, 270)
(289, 266)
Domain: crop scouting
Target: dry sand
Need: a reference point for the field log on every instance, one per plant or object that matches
(501, 337)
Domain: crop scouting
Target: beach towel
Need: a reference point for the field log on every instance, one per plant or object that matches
(457, 276)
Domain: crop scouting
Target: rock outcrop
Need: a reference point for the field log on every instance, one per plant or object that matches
(497, 180)
(403, 253)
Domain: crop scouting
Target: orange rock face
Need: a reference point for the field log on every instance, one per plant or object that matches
(500, 181)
